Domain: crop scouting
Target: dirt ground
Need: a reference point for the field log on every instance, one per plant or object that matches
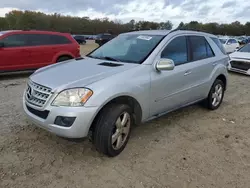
(188, 148)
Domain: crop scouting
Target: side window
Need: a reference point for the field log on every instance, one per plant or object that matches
(200, 48)
(16, 40)
(176, 50)
(234, 41)
(218, 43)
(57, 39)
(38, 39)
(210, 52)
(230, 41)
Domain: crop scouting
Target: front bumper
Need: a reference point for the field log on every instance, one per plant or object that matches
(80, 127)
(240, 69)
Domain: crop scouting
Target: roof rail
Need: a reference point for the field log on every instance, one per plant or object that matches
(173, 30)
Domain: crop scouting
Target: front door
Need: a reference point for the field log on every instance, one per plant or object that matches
(14, 54)
(189, 81)
(168, 88)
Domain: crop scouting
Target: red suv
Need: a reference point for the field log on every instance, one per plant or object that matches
(29, 50)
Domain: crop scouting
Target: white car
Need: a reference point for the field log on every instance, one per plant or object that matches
(230, 44)
(240, 60)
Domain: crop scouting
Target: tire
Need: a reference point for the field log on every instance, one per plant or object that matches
(209, 102)
(106, 127)
(63, 58)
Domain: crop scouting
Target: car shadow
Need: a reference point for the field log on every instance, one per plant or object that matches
(238, 74)
(15, 75)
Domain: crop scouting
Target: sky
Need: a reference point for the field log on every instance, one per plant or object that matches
(221, 11)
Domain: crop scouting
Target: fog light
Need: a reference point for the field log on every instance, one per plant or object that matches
(64, 121)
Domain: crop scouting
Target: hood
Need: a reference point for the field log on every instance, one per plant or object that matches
(240, 55)
(78, 73)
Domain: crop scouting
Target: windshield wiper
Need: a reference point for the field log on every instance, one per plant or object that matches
(105, 57)
(111, 58)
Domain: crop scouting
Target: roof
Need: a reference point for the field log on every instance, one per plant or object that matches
(165, 32)
(33, 31)
(7, 31)
(150, 32)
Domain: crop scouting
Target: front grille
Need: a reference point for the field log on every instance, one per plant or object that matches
(36, 94)
(240, 65)
(42, 114)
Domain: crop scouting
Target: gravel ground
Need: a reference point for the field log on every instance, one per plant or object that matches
(188, 148)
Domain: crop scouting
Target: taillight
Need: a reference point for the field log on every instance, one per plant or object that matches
(78, 50)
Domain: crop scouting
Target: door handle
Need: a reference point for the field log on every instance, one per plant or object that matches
(187, 73)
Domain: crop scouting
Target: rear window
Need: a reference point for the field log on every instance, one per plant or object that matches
(245, 48)
(219, 44)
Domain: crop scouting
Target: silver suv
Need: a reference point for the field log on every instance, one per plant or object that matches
(133, 78)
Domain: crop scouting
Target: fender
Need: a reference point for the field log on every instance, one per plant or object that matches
(220, 69)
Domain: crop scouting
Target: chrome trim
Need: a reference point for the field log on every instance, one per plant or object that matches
(37, 95)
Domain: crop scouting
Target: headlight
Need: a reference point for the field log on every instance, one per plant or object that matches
(72, 97)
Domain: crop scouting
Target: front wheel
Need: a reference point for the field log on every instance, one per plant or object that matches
(112, 129)
(216, 95)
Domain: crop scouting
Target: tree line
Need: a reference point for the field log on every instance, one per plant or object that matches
(27, 20)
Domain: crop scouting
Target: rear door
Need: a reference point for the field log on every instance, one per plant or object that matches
(200, 68)
(41, 51)
(45, 47)
(14, 55)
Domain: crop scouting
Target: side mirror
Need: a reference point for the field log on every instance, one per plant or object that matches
(165, 64)
(228, 43)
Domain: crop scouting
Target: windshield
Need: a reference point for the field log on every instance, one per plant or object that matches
(245, 48)
(223, 41)
(131, 48)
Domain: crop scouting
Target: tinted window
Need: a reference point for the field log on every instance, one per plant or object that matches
(17, 40)
(44, 39)
(230, 41)
(245, 48)
(223, 41)
(57, 39)
(234, 41)
(218, 43)
(38, 39)
(176, 50)
(200, 48)
(210, 52)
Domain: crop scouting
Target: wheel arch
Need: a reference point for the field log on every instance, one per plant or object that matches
(62, 54)
(223, 78)
(122, 99)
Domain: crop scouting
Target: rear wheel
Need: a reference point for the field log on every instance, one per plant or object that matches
(112, 129)
(63, 58)
(216, 95)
